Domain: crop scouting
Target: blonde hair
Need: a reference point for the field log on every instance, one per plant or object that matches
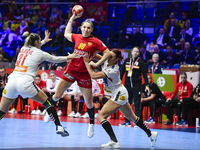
(30, 40)
(52, 72)
(88, 21)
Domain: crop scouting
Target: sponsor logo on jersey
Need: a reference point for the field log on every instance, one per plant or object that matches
(21, 68)
(4, 91)
(89, 43)
(122, 98)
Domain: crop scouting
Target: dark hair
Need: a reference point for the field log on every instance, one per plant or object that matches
(30, 40)
(38, 76)
(137, 48)
(118, 54)
(143, 46)
(183, 73)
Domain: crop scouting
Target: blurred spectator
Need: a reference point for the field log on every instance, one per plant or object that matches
(60, 17)
(28, 19)
(36, 6)
(180, 46)
(184, 19)
(45, 6)
(39, 26)
(5, 23)
(159, 52)
(197, 55)
(151, 98)
(16, 43)
(156, 67)
(34, 17)
(58, 38)
(54, 13)
(168, 21)
(144, 54)
(22, 28)
(2, 59)
(14, 25)
(188, 29)
(193, 11)
(187, 56)
(138, 38)
(100, 16)
(183, 35)
(26, 7)
(5, 55)
(52, 66)
(42, 16)
(196, 40)
(177, 9)
(18, 15)
(170, 58)
(162, 39)
(184, 90)
(39, 32)
(7, 38)
(173, 30)
(69, 13)
(10, 15)
(14, 57)
(53, 24)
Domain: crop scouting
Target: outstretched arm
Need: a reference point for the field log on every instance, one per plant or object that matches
(94, 75)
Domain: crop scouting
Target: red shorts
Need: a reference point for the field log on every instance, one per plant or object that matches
(83, 78)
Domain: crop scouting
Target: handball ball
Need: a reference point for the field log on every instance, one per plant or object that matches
(78, 10)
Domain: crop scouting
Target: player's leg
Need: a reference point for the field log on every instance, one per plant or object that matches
(87, 95)
(42, 98)
(128, 112)
(109, 108)
(62, 86)
(5, 105)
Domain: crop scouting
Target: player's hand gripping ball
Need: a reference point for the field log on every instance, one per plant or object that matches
(78, 10)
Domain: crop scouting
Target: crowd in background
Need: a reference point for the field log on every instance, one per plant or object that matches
(175, 42)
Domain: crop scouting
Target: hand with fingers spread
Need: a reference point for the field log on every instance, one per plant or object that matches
(47, 34)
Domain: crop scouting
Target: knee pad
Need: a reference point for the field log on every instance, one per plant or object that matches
(104, 100)
(96, 99)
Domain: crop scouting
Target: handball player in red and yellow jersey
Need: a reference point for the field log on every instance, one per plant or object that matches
(76, 70)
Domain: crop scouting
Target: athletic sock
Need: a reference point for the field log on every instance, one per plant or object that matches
(91, 114)
(2, 114)
(97, 109)
(108, 128)
(80, 107)
(74, 103)
(52, 112)
(143, 126)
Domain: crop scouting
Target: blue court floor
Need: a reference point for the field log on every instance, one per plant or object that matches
(30, 134)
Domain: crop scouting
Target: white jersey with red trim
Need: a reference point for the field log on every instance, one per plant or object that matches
(112, 82)
(30, 58)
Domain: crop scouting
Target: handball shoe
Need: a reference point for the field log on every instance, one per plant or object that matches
(71, 114)
(60, 130)
(153, 138)
(111, 144)
(90, 132)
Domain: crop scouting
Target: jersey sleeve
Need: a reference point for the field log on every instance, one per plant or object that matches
(57, 59)
(74, 37)
(100, 45)
(154, 89)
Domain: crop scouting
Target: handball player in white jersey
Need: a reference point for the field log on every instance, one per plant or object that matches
(119, 98)
(21, 81)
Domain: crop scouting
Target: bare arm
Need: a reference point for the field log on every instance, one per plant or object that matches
(97, 57)
(106, 55)
(149, 98)
(68, 29)
(94, 75)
